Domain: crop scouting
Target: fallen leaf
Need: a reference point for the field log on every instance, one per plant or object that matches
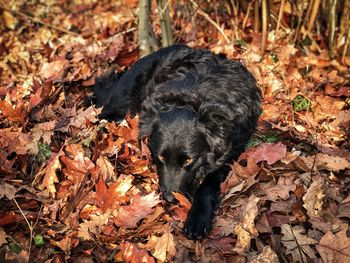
(245, 230)
(139, 208)
(50, 176)
(322, 161)
(110, 198)
(54, 70)
(163, 247)
(93, 226)
(267, 255)
(2, 237)
(298, 243)
(313, 199)
(334, 248)
(269, 152)
(132, 254)
(7, 190)
(106, 169)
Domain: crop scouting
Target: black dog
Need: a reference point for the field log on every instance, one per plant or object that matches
(198, 111)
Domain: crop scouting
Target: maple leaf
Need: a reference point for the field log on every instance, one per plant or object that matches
(140, 207)
(162, 247)
(93, 226)
(132, 254)
(297, 243)
(245, 230)
(334, 247)
(7, 190)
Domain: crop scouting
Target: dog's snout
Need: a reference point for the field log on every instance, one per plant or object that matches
(169, 197)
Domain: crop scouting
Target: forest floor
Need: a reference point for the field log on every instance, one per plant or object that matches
(78, 189)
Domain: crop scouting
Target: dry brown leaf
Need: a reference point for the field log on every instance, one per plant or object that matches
(278, 191)
(93, 226)
(334, 248)
(163, 247)
(7, 190)
(106, 169)
(313, 199)
(65, 243)
(16, 141)
(2, 237)
(322, 161)
(50, 176)
(298, 243)
(267, 255)
(250, 170)
(54, 70)
(130, 253)
(246, 230)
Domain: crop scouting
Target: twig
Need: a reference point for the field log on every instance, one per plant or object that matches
(264, 25)
(167, 36)
(211, 21)
(247, 15)
(280, 14)
(36, 20)
(29, 226)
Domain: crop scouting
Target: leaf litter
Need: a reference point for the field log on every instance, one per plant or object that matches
(92, 191)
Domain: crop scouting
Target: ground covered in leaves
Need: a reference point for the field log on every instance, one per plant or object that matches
(78, 189)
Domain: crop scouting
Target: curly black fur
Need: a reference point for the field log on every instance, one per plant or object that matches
(198, 110)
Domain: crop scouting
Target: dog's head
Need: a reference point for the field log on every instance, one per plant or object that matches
(178, 147)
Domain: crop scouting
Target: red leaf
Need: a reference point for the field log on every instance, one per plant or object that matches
(269, 152)
(140, 207)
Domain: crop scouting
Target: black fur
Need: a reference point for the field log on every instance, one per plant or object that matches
(198, 110)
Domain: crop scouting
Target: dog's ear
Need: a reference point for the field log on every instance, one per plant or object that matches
(215, 121)
(147, 125)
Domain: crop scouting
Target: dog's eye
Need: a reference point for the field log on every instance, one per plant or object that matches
(188, 161)
(161, 158)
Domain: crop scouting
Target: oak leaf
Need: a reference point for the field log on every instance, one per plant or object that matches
(93, 226)
(163, 247)
(139, 208)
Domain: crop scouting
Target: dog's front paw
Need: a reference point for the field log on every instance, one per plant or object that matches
(198, 223)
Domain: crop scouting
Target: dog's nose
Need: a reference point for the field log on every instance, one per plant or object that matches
(169, 197)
